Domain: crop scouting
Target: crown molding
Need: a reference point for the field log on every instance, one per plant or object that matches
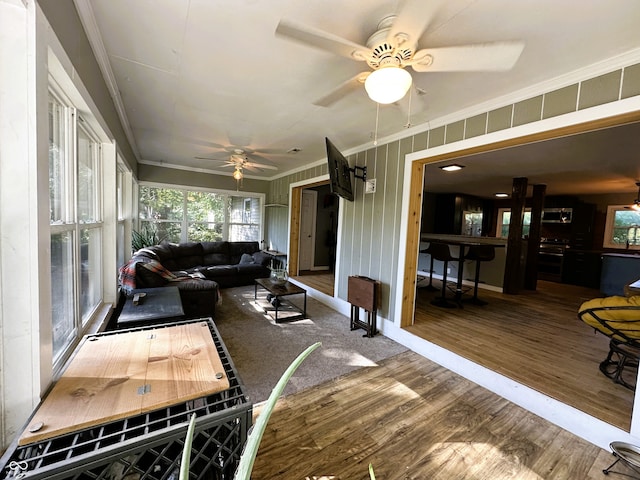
(88, 20)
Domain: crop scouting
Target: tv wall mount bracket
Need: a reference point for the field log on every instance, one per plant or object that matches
(362, 177)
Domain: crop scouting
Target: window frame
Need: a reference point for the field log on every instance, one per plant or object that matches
(609, 228)
(500, 224)
(185, 222)
(85, 288)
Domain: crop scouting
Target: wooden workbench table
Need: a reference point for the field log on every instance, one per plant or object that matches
(118, 375)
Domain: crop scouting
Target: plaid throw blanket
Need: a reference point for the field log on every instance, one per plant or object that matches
(127, 273)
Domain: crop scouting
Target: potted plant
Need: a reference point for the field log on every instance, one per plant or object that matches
(146, 237)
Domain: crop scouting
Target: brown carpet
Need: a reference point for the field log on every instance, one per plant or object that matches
(262, 350)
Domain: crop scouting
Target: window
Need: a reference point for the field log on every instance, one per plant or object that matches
(504, 219)
(622, 228)
(176, 215)
(76, 223)
(472, 224)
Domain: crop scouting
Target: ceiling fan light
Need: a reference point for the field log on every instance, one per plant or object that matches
(388, 84)
(237, 174)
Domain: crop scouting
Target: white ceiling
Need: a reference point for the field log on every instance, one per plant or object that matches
(200, 77)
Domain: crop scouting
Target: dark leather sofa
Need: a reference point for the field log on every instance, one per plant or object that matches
(198, 269)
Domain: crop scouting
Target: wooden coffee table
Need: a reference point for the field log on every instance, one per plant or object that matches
(283, 310)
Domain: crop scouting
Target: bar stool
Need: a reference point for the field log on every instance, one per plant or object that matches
(429, 287)
(441, 252)
(479, 254)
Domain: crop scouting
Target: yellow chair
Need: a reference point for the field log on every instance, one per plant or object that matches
(619, 319)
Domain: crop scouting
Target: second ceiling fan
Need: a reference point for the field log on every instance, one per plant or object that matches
(394, 46)
(239, 160)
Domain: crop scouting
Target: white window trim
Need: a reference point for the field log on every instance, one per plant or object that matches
(608, 229)
(501, 212)
(229, 193)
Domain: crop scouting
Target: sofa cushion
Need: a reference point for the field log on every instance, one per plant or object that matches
(262, 258)
(185, 255)
(215, 247)
(220, 271)
(162, 251)
(246, 259)
(236, 249)
(254, 270)
(215, 253)
(215, 259)
(152, 274)
(199, 297)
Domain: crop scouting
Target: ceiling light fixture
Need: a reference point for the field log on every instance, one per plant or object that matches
(501, 195)
(237, 174)
(388, 84)
(452, 168)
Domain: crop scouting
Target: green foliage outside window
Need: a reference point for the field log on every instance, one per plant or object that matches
(626, 228)
(506, 220)
(180, 215)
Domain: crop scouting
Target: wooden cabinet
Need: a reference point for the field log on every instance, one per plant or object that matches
(582, 226)
(582, 267)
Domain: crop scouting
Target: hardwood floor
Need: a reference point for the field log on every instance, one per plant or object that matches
(534, 338)
(413, 419)
(323, 281)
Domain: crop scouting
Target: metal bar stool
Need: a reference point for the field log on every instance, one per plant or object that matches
(429, 287)
(441, 252)
(479, 254)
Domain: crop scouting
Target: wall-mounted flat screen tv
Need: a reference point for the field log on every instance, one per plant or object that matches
(339, 172)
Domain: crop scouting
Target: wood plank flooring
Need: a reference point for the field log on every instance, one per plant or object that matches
(414, 420)
(534, 338)
(322, 281)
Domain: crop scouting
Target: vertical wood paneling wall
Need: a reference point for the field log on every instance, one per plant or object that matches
(370, 224)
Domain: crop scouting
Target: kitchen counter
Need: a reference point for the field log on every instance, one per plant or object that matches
(491, 273)
(618, 270)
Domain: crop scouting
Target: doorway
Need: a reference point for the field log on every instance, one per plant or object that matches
(308, 217)
(313, 237)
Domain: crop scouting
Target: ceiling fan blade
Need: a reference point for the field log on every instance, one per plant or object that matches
(226, 160)
(498, 56)
(321, 39)
(342, 90)
(259, 166)
(412, 20)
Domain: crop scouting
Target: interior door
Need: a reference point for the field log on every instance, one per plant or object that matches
(307, 229)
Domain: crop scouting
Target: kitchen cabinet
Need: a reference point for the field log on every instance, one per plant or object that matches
(582, 267)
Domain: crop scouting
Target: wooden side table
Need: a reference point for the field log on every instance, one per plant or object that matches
(363, 292)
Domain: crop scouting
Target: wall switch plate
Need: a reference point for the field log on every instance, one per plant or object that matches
(370, 186)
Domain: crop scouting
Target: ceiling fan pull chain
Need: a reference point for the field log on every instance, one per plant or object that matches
(375, 135)
(409, 111)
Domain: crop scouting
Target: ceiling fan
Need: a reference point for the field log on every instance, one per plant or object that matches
(393, 47)
(239, 160)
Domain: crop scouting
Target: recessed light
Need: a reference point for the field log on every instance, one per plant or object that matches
(501, 195)
(452, 168)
